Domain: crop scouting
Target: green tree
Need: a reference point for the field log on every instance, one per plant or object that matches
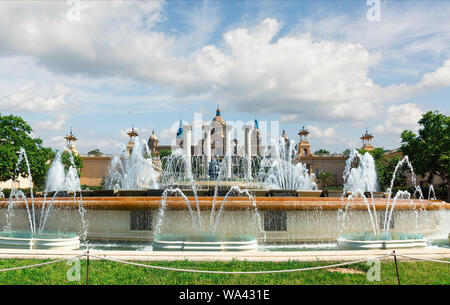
(385, 168)
(346, 152)
(322, 152)
(429, 151)
(15, 134)
(325, 179)
(95, 152)
(77, 161)
(165, 153)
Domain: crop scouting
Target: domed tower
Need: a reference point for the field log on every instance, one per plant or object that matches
(71, 139)
(218, 127)
(218, 122)
(132, 134)
(304, 148)
(367, 141)
(153, 143)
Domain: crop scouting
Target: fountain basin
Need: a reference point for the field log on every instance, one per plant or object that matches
(309, 193)
(45, 240)
(184, 242)
(389, 241)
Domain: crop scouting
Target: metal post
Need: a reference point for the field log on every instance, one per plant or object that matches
(396, 267)
(87, 267)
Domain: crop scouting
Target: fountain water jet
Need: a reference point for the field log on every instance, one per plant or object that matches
(133, 171)
(279, 170)
(36, 238)
(363, 179)
(203, 240)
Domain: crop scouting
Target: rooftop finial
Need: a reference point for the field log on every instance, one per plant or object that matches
(180, 130)
(218, 111)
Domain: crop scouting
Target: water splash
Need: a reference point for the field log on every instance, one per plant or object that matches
(57, 181)
(133, 171)
(279, 168)
(178, 161)
(361, 178)
(431, 191)
(400, 193)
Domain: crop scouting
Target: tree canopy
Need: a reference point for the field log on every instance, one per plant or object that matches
(347, 152)
(325, 179)
(95, 152)
(385, 167)
(322, 152)
(15, 134)
(429, 151)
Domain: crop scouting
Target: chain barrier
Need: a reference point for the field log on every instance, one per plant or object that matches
(87, 255)
(41, 264)
(238, 272)
(423, 259)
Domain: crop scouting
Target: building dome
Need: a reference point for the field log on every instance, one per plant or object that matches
(153, 143)
(218, 118)
(218, 122)
(153, 136)
(285, 136)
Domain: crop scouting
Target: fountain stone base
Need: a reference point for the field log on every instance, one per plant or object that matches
(184, 242)
(44, 240)
(372, 242)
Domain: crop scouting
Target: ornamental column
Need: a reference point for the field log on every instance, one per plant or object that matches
(248, 150)
(187, 129)
(228, 130)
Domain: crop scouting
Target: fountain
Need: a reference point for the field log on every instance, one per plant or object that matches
(188, 206)
(203, 237)
(37, 238)
(279, 170)
(133, 171)
(361, 180)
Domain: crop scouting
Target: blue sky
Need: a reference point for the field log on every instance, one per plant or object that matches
(319, 64)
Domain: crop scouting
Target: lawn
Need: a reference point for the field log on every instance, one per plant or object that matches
(113, 273)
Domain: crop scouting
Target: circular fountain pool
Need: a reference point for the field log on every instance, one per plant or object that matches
(44, 240)
(367, 241)
(204, 242)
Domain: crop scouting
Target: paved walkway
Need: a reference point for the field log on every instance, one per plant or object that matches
(326, 256)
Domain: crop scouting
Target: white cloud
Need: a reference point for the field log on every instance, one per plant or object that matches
(330, 136)
(403, 31)
(300, 78)
(294, 75)
(57, 142)
(399, 118)
(327, 134)
(27, 99)
(104, 145)
(289, 118)
(437, 79)
(57, 125)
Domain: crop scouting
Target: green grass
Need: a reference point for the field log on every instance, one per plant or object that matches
(112, 273)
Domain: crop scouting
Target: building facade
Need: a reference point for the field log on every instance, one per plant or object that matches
(219, 143)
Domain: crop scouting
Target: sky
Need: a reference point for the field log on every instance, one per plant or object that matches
(334, 67)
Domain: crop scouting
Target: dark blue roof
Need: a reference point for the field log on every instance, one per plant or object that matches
(180, 130)
(256, 124)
